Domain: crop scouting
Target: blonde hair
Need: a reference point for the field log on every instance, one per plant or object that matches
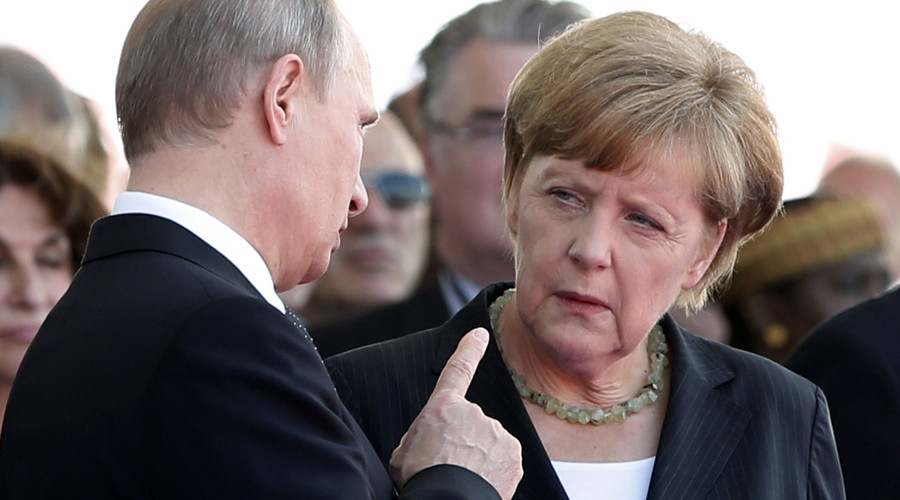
(186, 63)
(617, 91)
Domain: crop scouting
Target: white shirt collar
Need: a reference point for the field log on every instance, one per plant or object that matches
(209, 229)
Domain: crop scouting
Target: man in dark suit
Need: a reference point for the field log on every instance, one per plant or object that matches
(853, 358)
(468, 68)
(170, 369)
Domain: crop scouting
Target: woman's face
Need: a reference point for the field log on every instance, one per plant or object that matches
(35, 270)
(600, 257)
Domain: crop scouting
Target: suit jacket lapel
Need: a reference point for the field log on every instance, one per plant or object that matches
(118, 234)
(492, 389)
(702, 427)
(701, 430)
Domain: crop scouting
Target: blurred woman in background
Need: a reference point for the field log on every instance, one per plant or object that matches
(45, 216)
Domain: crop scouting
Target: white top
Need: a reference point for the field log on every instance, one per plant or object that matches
(214, 232)
(618, 480)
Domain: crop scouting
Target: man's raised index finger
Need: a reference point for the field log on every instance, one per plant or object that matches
(460, 368)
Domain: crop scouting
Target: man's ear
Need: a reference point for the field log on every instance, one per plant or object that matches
(285, 83)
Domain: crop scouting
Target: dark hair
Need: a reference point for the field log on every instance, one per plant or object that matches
(71, 204)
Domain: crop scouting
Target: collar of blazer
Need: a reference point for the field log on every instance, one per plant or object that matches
(686, 441)
(118, 234)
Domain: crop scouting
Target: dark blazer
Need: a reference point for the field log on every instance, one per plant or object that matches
(737, 427)
(425, 309)
(855, 359)
(162, 373)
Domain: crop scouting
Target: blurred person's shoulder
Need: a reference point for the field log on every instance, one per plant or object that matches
(736, 370)
(425, 309)
(869, 329)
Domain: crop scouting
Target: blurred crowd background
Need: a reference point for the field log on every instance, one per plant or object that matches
(828, 68)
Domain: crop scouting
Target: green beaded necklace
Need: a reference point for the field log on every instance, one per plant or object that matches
(649, 394)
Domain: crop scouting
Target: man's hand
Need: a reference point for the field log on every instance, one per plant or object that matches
(452, 430)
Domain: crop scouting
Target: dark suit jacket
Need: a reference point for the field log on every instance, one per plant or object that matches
(738, 426)
(855, 359)
(162, 373)
(426, 309)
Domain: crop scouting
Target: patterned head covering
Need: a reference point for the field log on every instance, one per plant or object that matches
(811, 233)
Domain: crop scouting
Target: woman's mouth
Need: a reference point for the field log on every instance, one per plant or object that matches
(582, 303)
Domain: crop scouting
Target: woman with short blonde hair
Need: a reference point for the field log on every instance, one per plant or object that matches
(639, 157)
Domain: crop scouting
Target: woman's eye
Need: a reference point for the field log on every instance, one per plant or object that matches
(50, 263)
(51, 259)
(561, 194)
(645, 221)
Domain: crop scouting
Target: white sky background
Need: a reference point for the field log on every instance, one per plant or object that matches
(830, 70)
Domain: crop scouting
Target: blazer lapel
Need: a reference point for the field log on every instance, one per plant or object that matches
(493, 390)
(701, 430)
(702, 427)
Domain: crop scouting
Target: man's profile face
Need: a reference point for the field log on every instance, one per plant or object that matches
(384, 250)
(321, 173)
(466, 170)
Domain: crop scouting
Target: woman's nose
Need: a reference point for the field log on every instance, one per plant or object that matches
(591, 246)
(27, 288)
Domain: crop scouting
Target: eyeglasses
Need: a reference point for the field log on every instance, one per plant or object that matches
(484, 131)
(398, 189)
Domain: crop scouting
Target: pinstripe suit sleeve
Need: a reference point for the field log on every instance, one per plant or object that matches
(384, 396)
(824, 466)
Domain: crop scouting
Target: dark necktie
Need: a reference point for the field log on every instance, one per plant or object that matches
(299, 324)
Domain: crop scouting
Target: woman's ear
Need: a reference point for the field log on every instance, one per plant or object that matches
(707, 252)
(512, 208)
(285, 85)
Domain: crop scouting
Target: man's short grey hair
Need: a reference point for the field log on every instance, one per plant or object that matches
(186, 64)
(516, 21)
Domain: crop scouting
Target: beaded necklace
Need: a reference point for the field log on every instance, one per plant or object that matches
(649, 394)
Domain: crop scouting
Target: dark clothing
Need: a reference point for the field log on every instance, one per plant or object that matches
(425, 309)
(853, 357)
(162, 373)
(738, 426)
